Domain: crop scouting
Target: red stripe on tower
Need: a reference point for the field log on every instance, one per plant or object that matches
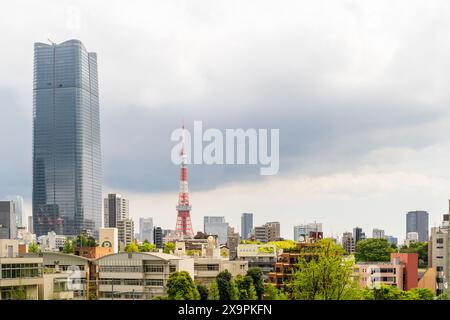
(183, 226)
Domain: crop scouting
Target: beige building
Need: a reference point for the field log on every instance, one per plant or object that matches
(21, 278)
(371, 274)
(125, 232)
(109, 237)
(137, 276)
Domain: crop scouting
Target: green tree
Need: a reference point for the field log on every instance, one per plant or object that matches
(147, 247)
(203, 291)
(373, 250)
(19, 293)
(322, 273)
(180, 286)
(132, 247)
(83, 240)
(245, 288)
(214, 291)
(68, 247)
(225, 286)
(386, 292)
(169, 247)
(272, 293)
(33, 248)
(421, 248)
(257, 278)
(421, 294)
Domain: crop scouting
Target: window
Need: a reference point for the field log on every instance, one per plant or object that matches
(154, 269)
(440, 240)
(154, 282)
(439, 268)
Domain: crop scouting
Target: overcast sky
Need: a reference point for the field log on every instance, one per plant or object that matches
(359, 90)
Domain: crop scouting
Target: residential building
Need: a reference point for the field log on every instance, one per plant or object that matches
(125, 230)
(146, 229)
(7, 220)
(246, 225)
(268, 232)
(67, 166)
(348, 242)
(378, 233)
(158, 237)
(213, 225)
(303, 231)
(258, 256)
(109, 237)
(287, 263)
(138, 276)
(411, 237)
(358, 234)
(115, 208)
(400, 272)
(211, 263)
(438, 254)
(417, 221)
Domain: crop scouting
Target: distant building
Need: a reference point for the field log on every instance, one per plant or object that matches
(30, 224)
(268, 232)
(392, 240)
(378, 233)
(52, 242)
(7, 220)
(125, 230)
(302, 231)
(411, 237)
(18, 201)
(417, 221)
(146, 229)
(213, 225)
(115, 208)
(246, 225)
(158, 237)
(233, 241)
(348, 242)
(358, 234)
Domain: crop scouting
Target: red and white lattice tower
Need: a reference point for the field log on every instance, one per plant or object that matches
(184, 224)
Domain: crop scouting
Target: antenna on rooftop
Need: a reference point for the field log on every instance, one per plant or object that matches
(50, 40)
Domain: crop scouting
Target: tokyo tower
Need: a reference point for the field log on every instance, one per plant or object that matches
(184, 225)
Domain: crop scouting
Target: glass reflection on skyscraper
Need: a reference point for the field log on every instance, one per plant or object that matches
(67, 194)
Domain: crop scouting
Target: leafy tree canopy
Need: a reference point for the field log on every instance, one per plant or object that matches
(373, 250)
(180, 286)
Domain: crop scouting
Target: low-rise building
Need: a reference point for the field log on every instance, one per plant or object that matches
(258, 256)
(401, 272)
(137, 276)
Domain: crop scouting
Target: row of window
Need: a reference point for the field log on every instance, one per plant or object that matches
(132, 282)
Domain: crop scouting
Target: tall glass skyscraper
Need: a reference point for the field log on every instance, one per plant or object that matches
(67, 189)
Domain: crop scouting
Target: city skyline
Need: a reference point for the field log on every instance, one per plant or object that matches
(338, 149)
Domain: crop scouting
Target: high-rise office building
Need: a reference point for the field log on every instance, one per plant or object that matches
(67, 172)
(18, 201)
(158, 237)
(303, 231)
(146, 229)
(358, 234)
(216, 226)
(115, 208)
(246, 225)
(7, 220)
(378, 233)
(417, 221)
